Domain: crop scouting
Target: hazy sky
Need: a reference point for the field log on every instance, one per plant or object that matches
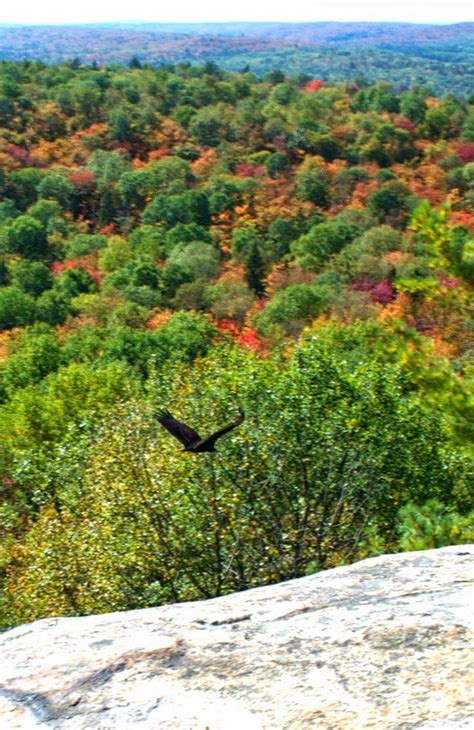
(90, 11)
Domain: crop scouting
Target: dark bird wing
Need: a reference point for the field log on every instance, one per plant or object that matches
(183, 433)
(212, 438)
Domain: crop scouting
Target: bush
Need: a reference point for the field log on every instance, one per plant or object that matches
(433, 525)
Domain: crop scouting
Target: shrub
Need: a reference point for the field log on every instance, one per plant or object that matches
(433, 525)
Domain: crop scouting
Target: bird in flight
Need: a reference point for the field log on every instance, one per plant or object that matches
(190, 439)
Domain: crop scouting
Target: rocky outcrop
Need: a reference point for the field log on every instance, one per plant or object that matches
(380, 644)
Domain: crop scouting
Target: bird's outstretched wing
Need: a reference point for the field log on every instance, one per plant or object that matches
(212, 438)
(181, 431)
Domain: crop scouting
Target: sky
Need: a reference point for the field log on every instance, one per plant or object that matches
(30, 12)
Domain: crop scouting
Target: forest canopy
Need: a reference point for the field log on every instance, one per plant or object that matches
(190, 238)
(404, 54)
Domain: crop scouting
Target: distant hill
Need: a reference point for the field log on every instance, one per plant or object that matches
(441, 56)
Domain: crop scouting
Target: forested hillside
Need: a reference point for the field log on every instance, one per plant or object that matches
(196, 239)
(404, 54)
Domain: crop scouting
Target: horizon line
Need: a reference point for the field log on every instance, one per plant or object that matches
(12, 24)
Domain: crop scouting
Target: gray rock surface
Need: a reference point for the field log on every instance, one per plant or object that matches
(383, 644)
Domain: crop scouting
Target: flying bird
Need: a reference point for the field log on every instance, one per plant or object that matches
(190, 438)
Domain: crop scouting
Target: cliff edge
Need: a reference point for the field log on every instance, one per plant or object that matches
(383, 644)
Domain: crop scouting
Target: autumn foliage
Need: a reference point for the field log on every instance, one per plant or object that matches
(192, 238)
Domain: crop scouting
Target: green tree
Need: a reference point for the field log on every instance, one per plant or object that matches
(82, 244)
(449, 246)
(120, 122)
(312, 185)
(284, 497)
(22, 186)
(322, 241)
(32, 277)
(37, 355)
(433, 525)
(115, 255)
(390, 202)
(73, 282)
(255, 269)
(200, 259)
(277, 163)
(86, 96)
(436, 121)
(281, 233)
(26, 236)
(8, 211)
(290, 309)
(44, 210)
(229, 300)
(208, 126)
(52, 307)
(243, 240)
(16, 308)
(413, 105)
(108, 208)
(54, 186)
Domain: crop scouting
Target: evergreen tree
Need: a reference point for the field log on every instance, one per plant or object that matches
(255, 269)
(134, 62)
(108, 208)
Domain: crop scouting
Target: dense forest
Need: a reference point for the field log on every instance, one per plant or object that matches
(201, 240)
(404, 54)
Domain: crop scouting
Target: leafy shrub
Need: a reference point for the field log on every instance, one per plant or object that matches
(433, 525)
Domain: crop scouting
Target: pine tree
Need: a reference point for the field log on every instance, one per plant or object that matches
(108, 208)
(255, 269)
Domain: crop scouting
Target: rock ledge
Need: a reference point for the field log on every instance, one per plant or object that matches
(380, 644)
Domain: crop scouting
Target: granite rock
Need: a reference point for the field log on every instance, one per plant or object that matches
(384, 643)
